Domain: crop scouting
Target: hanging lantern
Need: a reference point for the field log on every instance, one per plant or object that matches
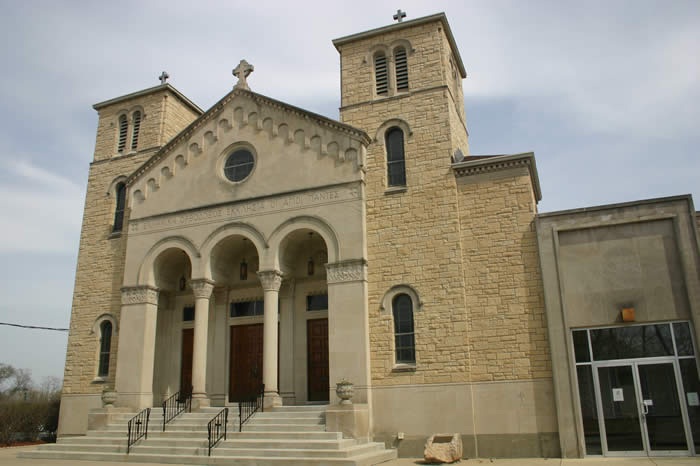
(244, 270)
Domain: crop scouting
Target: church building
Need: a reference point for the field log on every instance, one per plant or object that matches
(259, 244)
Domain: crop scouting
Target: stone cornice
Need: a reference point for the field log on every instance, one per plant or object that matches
(347, 271)
(495, 163)
(139, 295)
(202, 288)
(271, 280)
(150, 90)
(216, 109)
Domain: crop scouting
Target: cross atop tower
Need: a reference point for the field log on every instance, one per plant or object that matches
(241, 72)
(163, 77)
(400, 15)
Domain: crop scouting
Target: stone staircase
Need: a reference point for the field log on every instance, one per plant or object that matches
(288, 435)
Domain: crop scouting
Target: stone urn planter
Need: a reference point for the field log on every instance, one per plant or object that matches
(345, 390)
(109, 396)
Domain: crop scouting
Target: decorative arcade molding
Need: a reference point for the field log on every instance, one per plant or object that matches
(139, 295)
(271, 280)
(347, 271)
(202, 288)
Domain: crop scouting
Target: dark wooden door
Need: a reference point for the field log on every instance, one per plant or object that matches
(317, 366)
(186, 360)
(246, 362)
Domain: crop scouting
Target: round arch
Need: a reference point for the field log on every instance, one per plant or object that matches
(146, 269)
(297, 223)
(217, 236)
(399, 123)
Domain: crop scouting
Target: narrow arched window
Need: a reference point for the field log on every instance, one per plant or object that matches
(136, 127)
(401, 67)
(381, 74)
(123, 124)
(105, 345)
(119, 208)
(395, 159)
(404, 336)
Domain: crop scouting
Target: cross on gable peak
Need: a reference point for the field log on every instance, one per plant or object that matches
(241, 72)
(163, 77)
(400, 15)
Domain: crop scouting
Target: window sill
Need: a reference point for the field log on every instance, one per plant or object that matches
(396, 190)
(99, 380)
(398, 368)
(115, 234)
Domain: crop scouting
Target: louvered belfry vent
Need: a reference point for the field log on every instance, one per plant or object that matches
(122, 133)
(381, 75)
(401, 69)
(135, 132)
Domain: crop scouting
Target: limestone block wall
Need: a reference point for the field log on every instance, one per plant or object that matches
(502, 279)
(99, 275)
(412, 240)
(100, 268)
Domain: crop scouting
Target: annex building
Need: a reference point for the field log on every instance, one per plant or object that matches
(258, 243)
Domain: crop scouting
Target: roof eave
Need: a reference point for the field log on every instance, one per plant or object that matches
(162, 87)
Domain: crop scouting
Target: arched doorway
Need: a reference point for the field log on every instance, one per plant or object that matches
(234, 264)
(304, 362)
(172, 370)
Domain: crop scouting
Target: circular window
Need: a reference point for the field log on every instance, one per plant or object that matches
(239, 165)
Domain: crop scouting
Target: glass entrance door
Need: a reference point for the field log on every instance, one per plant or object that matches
(641, 409)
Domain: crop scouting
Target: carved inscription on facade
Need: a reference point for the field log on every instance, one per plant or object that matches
(346, 271)
(246, 209)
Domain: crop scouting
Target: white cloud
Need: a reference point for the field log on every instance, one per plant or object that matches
(39, 210)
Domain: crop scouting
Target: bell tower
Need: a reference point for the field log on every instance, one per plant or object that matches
(407, 75)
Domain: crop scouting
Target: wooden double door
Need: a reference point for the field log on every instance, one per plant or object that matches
(317, 359)
(246, 360)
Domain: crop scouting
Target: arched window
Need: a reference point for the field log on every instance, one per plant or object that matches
(404, 336)
(401, 67)
(381, 74)
(135, 130)
(120, 192)
(395, 159)
(105, 346)
(123, 124)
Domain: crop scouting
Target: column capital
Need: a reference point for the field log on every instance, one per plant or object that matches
(202, 288)
(143, 294)
(347, 271)
(271, 280)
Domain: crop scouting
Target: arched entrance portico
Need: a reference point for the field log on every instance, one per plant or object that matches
(245, 308)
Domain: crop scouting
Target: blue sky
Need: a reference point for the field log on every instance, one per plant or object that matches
(606, 93)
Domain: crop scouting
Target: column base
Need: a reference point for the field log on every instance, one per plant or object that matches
(200, 400)
(272, 400)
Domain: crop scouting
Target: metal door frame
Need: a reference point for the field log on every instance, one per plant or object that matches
(634, 364)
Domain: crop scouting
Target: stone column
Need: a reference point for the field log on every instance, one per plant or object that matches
(202, 292)
(348, 328)
(137, 343)
(271, 281)
(286, 352)
(217, 370)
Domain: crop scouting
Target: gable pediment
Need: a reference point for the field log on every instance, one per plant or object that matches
(293, 149)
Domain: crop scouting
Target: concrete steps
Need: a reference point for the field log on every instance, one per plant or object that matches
(288, 435)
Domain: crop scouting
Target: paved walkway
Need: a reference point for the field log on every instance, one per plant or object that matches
(8, 457)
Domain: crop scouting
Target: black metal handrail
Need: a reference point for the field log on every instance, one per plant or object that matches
(176, 404)
(137, 428)
(216, 428)
(246, 409)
